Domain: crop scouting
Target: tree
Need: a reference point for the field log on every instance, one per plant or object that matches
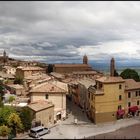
(116, 73)
(4, 130)
(15, 123)
(50, 68)
(4, 114)
(1, 103)
(26, 117)
(11, 99)
(18, 80)
(130, 74)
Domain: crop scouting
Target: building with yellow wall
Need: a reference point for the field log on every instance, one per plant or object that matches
(106, 98)
(132, 93)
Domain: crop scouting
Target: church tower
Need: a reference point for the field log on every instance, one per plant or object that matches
(112, 67)
(85, 59)
(4, 56)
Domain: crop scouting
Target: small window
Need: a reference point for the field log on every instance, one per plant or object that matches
(120, 86)
(138, 102)
(129, 104)
(119, 107)
(120, 97)
(89, 95)
(136, 93)
(129, 94)
(46, 96)
(92, 97)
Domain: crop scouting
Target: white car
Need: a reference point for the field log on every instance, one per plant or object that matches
(38, 131)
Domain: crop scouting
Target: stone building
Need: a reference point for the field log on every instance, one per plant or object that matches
(42, 111)
(69, 68)
(16, 89)
(9, 70)
(52, 93)
(28, 71)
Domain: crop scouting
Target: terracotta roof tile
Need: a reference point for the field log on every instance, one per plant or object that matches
(71, 65)
(31, 68)
(109, 79)
(40, 105)
(131, 84)
(47, 87)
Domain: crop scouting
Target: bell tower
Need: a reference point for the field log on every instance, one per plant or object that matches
(112, 67)
(4, 57)
(85, 59)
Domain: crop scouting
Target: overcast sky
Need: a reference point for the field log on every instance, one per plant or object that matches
(65, 31)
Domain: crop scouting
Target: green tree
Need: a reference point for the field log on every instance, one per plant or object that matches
(15, 123)
(1, 90)
(4, 114)
(4, 130)
(1, 103)
(116, 73)
(18, 80)
(26, 117)
(11, 99)
(130, 74)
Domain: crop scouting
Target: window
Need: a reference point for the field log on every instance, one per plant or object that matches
(138, 102)
(129, 94)
(136, 93)
(119, 107)
(129, 104)
(120, 86)
(120, 97)
(46, 96)
(92, 97)
(89, 95)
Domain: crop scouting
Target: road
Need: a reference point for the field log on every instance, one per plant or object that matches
(131, 132)
(68, 130)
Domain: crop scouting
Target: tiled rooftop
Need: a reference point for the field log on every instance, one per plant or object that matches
(131, 84)
(109, 79)
(85, 72)
(40, 105)
(47, 87)
(31, 68)
(71, 65)
(87, 82)
(16, 86)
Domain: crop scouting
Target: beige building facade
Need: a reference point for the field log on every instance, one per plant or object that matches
(28, 71)
(43, 111)
(52, 93)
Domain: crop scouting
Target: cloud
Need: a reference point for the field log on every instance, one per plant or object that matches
(65, 31)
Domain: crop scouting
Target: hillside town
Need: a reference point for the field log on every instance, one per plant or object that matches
(49, 91)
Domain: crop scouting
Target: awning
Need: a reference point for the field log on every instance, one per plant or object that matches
(121, 112)
(133, 108)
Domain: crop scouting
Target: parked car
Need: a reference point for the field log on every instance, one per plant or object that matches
(38, 131)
